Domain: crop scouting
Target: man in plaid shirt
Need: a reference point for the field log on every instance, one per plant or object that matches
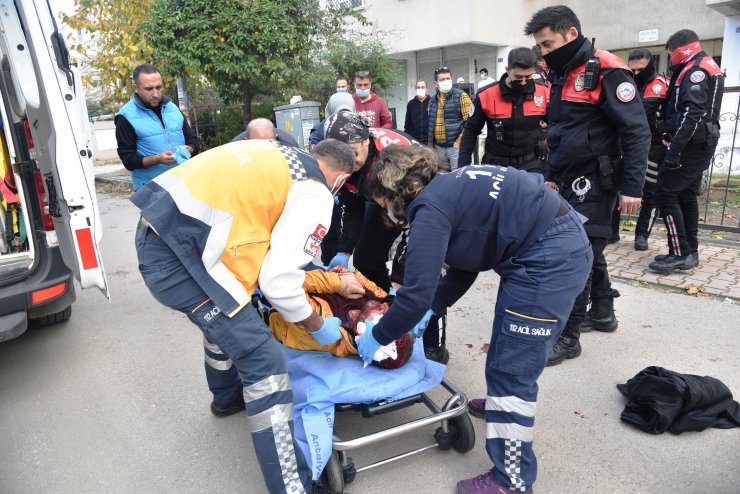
(448, 112)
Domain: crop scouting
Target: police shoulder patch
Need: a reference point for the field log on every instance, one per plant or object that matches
(580, 82)
(626, 92)
(657, 88)
(697, 76)
(472, 110)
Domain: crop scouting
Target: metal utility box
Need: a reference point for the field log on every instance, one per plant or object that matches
(298, 119)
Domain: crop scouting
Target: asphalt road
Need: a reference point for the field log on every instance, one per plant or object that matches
(115, 400)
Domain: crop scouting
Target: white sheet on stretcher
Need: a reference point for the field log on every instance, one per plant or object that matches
(320, 380)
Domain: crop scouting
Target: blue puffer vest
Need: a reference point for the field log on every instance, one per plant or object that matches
(454, 122)
(151, 137)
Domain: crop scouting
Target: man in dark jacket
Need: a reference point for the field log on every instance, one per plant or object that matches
(598, 138)
(692, 133)
(417, 114)
(514, 109)
(653, 87)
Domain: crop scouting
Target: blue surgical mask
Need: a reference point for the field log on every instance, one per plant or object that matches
(362, 93)
(341, 89)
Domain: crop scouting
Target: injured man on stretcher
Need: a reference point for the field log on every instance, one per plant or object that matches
(353, 299)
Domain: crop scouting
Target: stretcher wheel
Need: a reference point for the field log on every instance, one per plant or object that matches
(333, 476)
(463, 439)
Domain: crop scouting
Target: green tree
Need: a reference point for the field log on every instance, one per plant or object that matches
(113, 44)
(342, 56)
(245, 47)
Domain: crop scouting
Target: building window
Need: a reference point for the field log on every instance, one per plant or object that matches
(350, 4)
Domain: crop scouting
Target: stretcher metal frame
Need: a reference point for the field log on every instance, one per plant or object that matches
(456, 431)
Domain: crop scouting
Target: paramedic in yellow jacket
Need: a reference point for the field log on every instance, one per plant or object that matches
(246, 214)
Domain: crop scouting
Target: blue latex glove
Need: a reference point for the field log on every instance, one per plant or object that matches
(181, 154)
(421, 326)
(340, 259)
(392, 292)
(329, 332)
(367, 344)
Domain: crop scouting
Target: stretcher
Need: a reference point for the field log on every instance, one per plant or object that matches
(324, 384)
(454, 432)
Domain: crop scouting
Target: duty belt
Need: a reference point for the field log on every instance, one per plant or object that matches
(500, 160)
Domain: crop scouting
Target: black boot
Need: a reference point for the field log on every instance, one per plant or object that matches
(600, 317)
(675, 263)
(434, 339)
(567, 345)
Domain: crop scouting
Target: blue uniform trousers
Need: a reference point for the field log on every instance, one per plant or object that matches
(256, 365)
(535, 297)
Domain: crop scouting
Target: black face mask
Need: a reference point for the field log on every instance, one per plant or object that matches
(519, 88)
(645, 75)
(558, 59)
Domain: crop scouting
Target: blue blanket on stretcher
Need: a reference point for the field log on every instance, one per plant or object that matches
(320, 380)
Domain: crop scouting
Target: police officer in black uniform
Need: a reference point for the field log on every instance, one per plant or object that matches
(514, 109)
(598, 137)
(654, 90)
(692, 133)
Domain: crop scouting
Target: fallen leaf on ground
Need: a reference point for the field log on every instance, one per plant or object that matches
(469, 345)
(692, 289)
(484, 348)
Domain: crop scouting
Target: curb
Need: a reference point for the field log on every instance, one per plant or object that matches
(676, 289)
(119, 183)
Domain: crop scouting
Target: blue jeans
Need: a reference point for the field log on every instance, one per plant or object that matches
(448, 155)
(256, 359)
(534, 300)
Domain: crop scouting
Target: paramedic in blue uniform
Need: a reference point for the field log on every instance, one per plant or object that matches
(474, 219)
(244, 215)
(598, 137)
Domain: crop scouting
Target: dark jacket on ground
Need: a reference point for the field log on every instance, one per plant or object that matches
(417, 119)
(660, 400)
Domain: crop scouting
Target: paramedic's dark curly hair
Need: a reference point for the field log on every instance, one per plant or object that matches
(400, 175)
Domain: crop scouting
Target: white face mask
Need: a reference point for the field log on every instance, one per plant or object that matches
(337, 187)
(392, 217)
(445, 86)
(421, 93)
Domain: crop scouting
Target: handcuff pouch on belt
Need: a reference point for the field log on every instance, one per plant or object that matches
(609, 173)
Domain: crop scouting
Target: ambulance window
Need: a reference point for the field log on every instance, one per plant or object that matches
(18, 104)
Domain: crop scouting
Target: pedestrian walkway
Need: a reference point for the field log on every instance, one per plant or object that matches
(718, 272)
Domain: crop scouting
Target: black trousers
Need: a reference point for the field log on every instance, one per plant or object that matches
(373, 246)
(648, 212)
(676, 196)
(597, 206)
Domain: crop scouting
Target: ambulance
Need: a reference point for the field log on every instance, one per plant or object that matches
(49, 218)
